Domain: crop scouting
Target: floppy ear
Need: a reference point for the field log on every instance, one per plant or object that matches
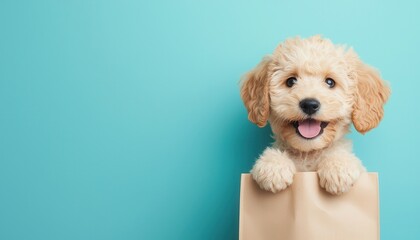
(255, 93)
(370, 96)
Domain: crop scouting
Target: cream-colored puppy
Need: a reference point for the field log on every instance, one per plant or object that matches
(310, 91)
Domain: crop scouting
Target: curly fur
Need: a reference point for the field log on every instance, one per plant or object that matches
(358, 97)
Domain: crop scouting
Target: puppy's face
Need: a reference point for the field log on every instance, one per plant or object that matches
(311, 94)
(309, 91)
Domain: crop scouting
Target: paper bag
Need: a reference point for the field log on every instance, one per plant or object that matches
(305, 211)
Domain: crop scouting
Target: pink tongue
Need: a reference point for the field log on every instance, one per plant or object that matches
(309, 128)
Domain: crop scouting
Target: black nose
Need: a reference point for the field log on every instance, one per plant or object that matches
(309, 105)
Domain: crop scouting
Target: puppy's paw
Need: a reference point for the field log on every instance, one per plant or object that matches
(338, 179)
(273, 171)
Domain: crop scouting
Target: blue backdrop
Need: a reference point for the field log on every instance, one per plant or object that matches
(122, 119)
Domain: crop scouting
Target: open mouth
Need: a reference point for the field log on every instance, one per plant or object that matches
(309, 128)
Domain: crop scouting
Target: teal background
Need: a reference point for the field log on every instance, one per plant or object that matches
(122, 119)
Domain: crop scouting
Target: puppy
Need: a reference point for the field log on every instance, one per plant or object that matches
(310, 91)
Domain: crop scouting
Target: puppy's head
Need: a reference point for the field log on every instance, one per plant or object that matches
(311, 90)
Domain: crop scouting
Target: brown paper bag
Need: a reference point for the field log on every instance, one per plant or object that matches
(304, 211)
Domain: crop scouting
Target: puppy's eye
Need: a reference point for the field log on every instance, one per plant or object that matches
(330, 82)
(291, 81)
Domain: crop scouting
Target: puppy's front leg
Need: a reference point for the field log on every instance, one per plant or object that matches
(339, 170)
(273, 171)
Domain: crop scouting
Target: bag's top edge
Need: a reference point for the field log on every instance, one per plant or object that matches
(308, 173)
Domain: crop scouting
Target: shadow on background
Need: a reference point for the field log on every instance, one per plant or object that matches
(249, 141)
